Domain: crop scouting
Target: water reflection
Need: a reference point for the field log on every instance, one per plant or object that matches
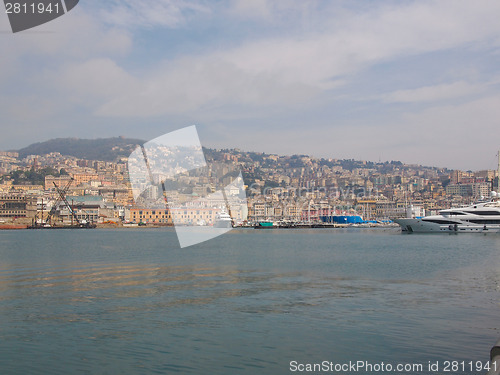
(135, 287)
(246, 307)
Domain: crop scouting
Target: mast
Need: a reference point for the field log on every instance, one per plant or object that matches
(498, 173)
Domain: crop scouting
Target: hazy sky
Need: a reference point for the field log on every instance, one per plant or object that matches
(416, 81)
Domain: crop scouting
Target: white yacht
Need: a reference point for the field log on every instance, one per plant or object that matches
(223, 220)
(481, 217)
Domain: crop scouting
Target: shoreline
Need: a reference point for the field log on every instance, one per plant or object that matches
(151, 226)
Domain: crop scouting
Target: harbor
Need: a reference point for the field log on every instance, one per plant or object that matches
(250, 187)
(66, 191)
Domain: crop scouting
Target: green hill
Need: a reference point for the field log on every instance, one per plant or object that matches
(106, 149)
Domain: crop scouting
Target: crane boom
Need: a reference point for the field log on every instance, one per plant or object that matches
(62, 195)
(58, 200)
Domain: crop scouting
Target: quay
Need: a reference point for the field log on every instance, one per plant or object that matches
(318, 225)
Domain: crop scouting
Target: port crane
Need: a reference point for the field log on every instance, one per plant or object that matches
(80, 223)
(61, 192)
(62, 198)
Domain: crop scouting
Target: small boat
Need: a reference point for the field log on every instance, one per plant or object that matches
(265, 225)
(130, 225)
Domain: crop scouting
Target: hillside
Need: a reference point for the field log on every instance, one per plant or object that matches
(106, 149)
(111, 149)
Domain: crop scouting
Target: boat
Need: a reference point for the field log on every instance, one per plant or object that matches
(266, 225)
(74, 226)
(481, 217)
(223, 220)
(12, 226)
(130, 225)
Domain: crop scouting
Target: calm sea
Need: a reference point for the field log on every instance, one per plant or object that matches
(248, 302)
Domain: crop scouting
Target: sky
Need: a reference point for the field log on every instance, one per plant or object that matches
(414, 81)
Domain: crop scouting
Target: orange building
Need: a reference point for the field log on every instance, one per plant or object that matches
(187, 216)
(146, 215)
(60, 182)
(82, 178)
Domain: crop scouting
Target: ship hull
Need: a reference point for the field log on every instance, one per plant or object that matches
(12, 226)
(223, 224)
(422, 226)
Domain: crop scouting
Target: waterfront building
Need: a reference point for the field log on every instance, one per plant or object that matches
(118, 194)
(292, 211)
(89, 208)
(386, 209)
(183, 215)
(259, 210)
(16, 205)
(368, 207)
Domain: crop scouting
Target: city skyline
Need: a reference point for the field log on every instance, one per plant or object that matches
(416, 82)
(296, 188)
(270, 153)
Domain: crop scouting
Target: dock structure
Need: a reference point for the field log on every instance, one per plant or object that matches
(76, 221)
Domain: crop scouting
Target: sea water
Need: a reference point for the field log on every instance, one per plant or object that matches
(130, 301)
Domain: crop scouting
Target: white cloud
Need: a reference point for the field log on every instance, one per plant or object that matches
(358, 40)
(34, 61)
(76, 35)
(454, 136)
(434, 93)
(194, 85)
(311, 55)
(97, 79)
(149, 13)
(285, 70)
(463, 136)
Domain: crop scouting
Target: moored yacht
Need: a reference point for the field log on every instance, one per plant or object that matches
(223, 220)
(480, 217)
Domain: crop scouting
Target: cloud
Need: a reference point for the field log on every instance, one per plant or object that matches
(386, 33)
(283, 71)
(462, 136)
(34, 63)
(454, 136)
(101, 79)
(77, 35)
(202, 84)
(282, 67)
(434, 93)
(150, 13)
